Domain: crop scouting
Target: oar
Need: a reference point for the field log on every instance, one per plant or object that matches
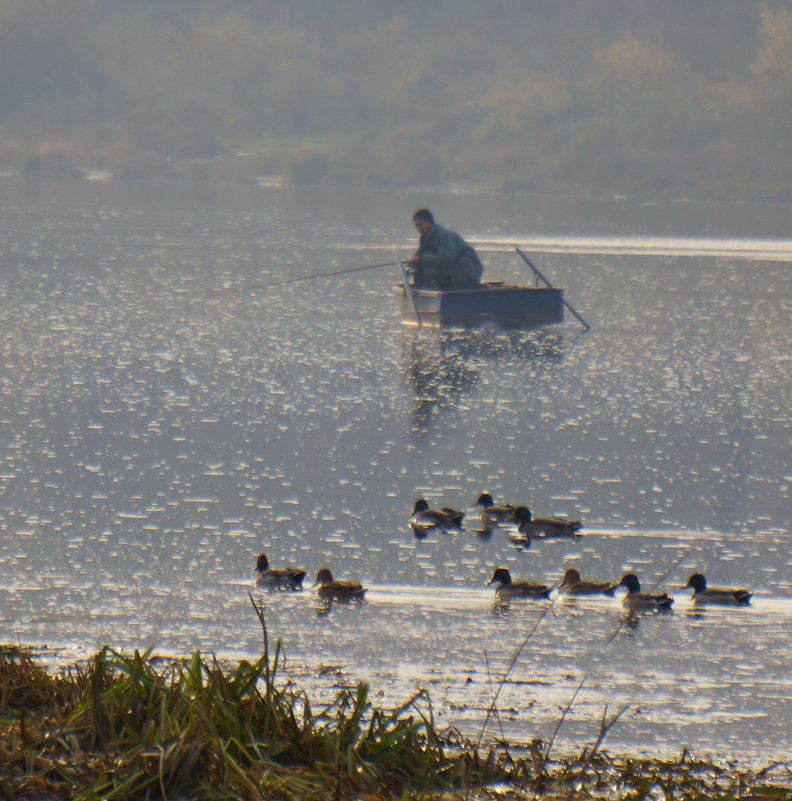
(303, 278)
(408, 289)
(542, 278)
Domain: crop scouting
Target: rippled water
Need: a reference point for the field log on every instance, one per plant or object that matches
(161, 424)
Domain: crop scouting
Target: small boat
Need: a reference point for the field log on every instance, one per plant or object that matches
(492, 303)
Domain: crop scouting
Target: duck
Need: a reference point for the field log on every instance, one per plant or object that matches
(508, 589)
(529, 526)
(330, 589)
(572, 584)
(423, 519)
(285, 578)
(636, 601)
(492, 514)
(724, 596)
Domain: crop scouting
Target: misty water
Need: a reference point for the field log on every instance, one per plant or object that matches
(164, 419)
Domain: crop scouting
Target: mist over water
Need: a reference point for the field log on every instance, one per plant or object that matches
(161, 425)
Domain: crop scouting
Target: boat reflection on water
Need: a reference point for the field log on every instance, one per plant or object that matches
(437, 381)
(444, 366)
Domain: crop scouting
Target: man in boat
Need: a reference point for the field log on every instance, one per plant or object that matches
(443, 259)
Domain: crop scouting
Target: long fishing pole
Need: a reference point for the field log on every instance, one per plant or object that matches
(302, 278)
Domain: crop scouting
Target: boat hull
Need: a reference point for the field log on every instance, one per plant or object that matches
(491, 304)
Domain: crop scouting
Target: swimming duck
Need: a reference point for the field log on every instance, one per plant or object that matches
(636, 601)
(424, 519)
(715, 595)
(492, 514)
(530, 526)
(572, 584)
(507, 588)
(285, 578)
(329, 589)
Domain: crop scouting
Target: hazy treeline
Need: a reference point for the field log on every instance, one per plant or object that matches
(612, 95)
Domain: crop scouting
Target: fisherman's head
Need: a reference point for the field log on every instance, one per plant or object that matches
(423, 220)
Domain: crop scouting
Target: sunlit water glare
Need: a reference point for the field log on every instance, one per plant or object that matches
(161, 425)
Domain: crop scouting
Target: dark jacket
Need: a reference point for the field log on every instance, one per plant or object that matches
(441, 249)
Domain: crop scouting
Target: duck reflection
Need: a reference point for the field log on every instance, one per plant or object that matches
(444, 366)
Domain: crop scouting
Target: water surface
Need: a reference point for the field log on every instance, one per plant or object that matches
(161, 424)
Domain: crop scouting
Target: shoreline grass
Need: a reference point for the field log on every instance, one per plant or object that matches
(138, 727)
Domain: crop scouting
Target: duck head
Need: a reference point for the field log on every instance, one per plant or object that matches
(484, 500)
(572, 576)
(324, 576)
(522, 514)
(501, 576)
(630, 582)
(420, 506)
(696, 582)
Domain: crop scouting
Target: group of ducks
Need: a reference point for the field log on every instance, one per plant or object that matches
(291, 578)
(635, 601)
(445, 519)
(425, 520)
(329, 589)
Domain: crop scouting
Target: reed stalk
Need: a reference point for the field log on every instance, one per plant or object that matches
(134, 727)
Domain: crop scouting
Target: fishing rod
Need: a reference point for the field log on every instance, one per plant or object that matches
(302, 278)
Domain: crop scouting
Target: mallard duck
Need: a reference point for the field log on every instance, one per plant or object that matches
(285, 578)
(715, 595)
(424, 519)
(507, 588)
(329, 589)
(636, 601)
(529, 526)
(492, 514)
(572, 584)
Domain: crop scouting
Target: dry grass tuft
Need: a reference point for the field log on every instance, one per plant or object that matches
(137, 727)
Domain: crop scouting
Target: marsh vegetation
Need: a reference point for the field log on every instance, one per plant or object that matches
(138, 726)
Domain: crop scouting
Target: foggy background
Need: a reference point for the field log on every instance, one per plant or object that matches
(561, 95)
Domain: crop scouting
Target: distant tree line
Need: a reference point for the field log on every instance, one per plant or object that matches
(569, 95)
